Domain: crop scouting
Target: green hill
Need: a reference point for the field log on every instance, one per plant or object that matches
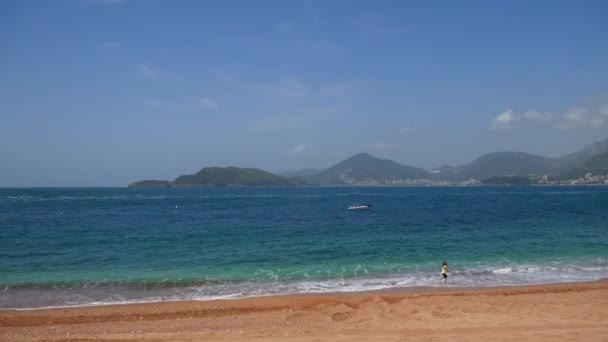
(596, 165)
(233, 176)
(580, 157)
(502, 164)
(151, 184)
(364, 168)
(222, 176)
(599, 162)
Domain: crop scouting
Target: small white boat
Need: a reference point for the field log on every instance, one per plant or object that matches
(359, 206)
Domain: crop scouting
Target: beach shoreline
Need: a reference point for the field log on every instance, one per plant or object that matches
(382, 291)
(560, 311)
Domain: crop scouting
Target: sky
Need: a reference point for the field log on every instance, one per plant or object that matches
(107, 92)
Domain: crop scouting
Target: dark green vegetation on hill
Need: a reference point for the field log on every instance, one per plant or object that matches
(507, 180)
(501, 164)
(151, 184)
(232, 176)
(363, 166)
(223, 176)
(580, 157)
(596, 165)
(599, 161)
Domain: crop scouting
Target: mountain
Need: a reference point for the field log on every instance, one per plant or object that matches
(502, 164)
(365, 169)
(598, 162)
(231, 176)
(222, 176)
(304, 173)
(151, 184)
(582, 156)
(596, 165)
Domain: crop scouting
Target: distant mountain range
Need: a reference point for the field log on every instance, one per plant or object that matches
(582, 156)
(503, 163)
(365, 169)
(221, 176)
(596, 165)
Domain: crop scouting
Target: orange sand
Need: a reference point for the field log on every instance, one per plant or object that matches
(569, 312)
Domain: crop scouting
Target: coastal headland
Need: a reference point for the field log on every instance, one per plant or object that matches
(557, 312)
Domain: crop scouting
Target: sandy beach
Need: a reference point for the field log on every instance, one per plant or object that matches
(565, 312)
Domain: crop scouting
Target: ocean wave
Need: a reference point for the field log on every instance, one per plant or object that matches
(36, 295)
(106, 284)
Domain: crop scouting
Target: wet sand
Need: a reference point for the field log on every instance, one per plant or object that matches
(561, 312)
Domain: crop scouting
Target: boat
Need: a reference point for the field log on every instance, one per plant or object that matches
(359, 206)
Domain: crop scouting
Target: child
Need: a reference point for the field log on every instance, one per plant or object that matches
(444, 272)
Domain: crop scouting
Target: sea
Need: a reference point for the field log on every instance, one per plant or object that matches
(95, 246)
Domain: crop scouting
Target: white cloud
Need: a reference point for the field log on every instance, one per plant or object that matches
(303, 149)
(147, 73)
(575, 115)
(573, 118)
(504, 120)
(540, 117)
(207, 104)
(590, 117)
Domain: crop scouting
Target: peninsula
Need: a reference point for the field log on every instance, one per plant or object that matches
(587, 166)
(221, 177)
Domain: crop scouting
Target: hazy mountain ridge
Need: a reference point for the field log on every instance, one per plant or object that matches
(501, 164)
(596, 165)
(580, 157)
(365, 169)
(599, 161)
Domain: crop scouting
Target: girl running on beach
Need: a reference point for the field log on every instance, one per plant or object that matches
(444, 272)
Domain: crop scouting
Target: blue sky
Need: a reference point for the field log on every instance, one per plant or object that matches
(103, 93)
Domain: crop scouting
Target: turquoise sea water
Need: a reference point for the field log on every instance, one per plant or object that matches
(95, 246)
